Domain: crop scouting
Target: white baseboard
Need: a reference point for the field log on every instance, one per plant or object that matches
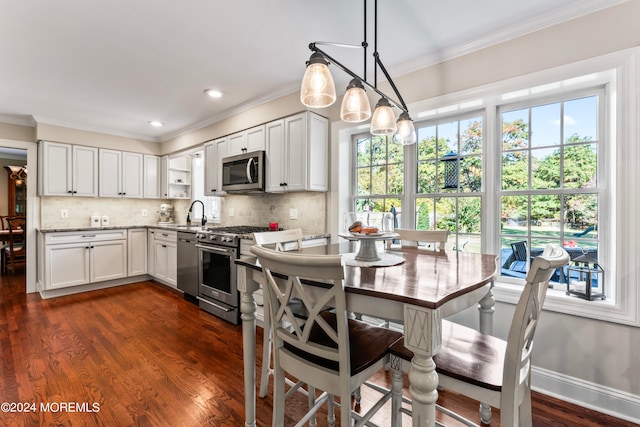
(589, 395)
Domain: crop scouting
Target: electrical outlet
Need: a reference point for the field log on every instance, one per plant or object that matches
(293, 213)
(64, 213)
(144, 212)
(232, 212)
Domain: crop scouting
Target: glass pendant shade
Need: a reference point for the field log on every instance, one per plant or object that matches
(383, 121)
(406, 133)
(355, 103)
(317, 89)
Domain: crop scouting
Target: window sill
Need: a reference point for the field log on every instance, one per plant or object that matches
(558, 301)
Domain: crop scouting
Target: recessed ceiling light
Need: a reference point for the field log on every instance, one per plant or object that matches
(156, 123)
(214, 93)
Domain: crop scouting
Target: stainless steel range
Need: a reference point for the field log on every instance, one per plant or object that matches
(218, 248)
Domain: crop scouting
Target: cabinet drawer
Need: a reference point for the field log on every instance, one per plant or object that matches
(170, 236)
(84, 236)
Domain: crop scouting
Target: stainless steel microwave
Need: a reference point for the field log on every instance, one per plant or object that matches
(243, 173)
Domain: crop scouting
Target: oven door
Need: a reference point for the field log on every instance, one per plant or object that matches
(217, 274)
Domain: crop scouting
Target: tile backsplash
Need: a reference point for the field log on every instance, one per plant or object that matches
(255, 209)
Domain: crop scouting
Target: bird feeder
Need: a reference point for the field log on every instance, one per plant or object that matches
(585, 278)
(450, 161)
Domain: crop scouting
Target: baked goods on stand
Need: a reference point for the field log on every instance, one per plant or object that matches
(368, 228)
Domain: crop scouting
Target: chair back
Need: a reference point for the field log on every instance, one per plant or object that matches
(288, 276)
(17, 230)
(517, 364)
(411, 238)
(287, 240)
(519, 251)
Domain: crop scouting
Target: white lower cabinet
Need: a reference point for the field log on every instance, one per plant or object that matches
(163, 256)
(137, 251)
(79, 258)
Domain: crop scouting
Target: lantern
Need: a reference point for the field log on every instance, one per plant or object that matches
(450, 161)
(583, 275)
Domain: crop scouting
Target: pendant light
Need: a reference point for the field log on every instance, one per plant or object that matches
(383, 121)
(406, 133)
(317, 89)
(355, 103)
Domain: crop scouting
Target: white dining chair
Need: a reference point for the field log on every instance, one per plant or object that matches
(412, 238)
(486, 368)
(327, 350)
(280, 241)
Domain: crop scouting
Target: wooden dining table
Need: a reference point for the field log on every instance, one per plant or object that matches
(419, 292)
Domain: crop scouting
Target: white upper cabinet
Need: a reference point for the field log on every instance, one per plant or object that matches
(67, 170)
(246, 141)
(179, 177)
(214, 152)
(120, 174)
(298, 153)
(152, 177)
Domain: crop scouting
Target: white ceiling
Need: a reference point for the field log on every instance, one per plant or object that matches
(112, 66)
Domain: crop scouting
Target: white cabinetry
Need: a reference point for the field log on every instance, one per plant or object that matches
(297, 150)
(120, 174)
(152, 177)
(136, 251)
(164, 256)
(214, 152)
(79, 258)
(67, 170)
(246, 141)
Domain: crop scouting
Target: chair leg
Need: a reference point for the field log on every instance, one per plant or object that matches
(331, 411)
(485, 413)
(396, 391)
(311, 391)
(278, 396)
(266, 357)
(524, 414)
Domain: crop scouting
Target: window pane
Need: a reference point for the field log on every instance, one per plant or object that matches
(545, 215)
(364, 181)
(426, 142)
(448, 137)
(545, 168)
(515, 129)
(513, 214)
(396, 153)
(581, 216)
(364, 152)
(446, 214)
(379, 180)
(515, 170)
(378, 150)
(471, 173)
(424, 214)
(426, 177)
(545, 125)
(581, 119)
(471, 136)
(469, 243)
(469, 214)
(580, 166)
(396, 179)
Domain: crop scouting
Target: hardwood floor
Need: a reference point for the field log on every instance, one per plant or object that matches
(141, 355)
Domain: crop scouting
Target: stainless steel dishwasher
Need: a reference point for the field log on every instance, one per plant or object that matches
(188, 265)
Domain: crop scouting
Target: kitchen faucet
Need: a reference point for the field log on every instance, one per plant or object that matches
(204, 218)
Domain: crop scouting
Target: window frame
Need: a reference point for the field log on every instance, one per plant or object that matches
(619, 73)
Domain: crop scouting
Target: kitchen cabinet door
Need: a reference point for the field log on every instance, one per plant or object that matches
(295, 155)
(110, 173)
(246, 141)
(67, 170)
(214, 152)
(131, 175)
(136, 251)
(108, 260)
(66, 265)
(151, 177)
(166, 262)
(276, 157)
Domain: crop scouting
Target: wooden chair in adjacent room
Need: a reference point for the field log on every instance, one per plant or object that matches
(15, 251)
(288, 240)
(327, 351)
(486, 368)
(413, 238)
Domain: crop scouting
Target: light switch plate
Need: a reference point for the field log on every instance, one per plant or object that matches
(232, 212)
(293, 213)
(144, 212)
(64, 213)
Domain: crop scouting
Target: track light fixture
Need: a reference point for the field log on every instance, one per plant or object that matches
(318, 90)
